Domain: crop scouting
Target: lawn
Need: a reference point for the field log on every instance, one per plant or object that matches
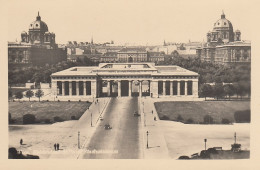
(197, 110)
(47, 110)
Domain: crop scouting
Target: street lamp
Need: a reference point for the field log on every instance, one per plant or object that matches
(147, 139)
(78, 140)
(205, 140)
(144, 115)
(91, 119)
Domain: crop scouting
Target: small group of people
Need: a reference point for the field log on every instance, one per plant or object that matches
(56, 146)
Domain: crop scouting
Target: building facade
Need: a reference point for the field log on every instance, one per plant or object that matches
(132, 55)
(124, 79)
(37, 47)
(224, 46)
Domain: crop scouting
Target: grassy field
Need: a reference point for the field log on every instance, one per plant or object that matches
(47, 110)
(197, 110)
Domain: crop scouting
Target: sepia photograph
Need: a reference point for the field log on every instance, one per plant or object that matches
(147, 80)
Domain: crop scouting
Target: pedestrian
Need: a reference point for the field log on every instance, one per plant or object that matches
(154, 118)
(97, 100)
(152, 111)
(21, 141)
(55, 147)
(58, 146)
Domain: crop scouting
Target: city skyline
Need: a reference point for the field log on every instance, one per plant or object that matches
(133, 22)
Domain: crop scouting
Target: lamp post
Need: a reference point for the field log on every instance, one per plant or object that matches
(78, 140)
(144, 115)
(91, 119)
(147, 133)
(205, 140)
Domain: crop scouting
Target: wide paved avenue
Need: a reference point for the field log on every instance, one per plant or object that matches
(122, 141)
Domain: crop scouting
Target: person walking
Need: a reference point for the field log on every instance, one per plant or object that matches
(21, 141)
(58, 146)
(55, 147)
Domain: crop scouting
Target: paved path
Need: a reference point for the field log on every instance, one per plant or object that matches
(157, 147)
(122, 141)
(69, 142)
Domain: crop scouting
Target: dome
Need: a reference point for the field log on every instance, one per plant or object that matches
(38, 24)
(223, 23)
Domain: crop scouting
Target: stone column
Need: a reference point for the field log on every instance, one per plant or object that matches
(140, 88)
(171, 88)
(94, 88)
(178, 88)
(63, 88)
(154, 88)
(195, 88)
(77, 88)
(185, 88)
(108, 88)
(119, 88)
(70, 88)
(54, 88)
(130, 88)
(164, 90)
(84, 88)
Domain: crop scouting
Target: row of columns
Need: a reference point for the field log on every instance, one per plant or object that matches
(119, 88)
(153, 88)
(70, 87)
(178, 88)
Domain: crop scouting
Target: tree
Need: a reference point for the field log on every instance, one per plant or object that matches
(229, 90)
(39, 93)
(29, 94)
(206, 90)
(18, 95)
(218, 90)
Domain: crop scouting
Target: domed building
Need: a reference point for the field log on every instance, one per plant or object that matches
(37, 47)
(39, 34)
(224, 46)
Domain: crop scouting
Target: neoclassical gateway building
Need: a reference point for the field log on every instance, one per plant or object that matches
(124, 79)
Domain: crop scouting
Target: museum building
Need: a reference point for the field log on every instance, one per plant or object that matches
(124, 79)
(224, 46)
(37, 47)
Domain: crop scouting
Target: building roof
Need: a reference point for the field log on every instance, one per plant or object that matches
(223, 23)
(38, 24)
(126, 69)
(132, 50)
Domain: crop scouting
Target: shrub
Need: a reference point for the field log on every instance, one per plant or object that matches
(47, 100)
(57, 119)
(164, 117)
(208, 119)
(68, 100)
(189, 121)
(87, 101)
(28, 119)
(73, 117)
(79, 100)
(179, 118)
(47, 121)
(242, 116)
(225, 121)
(58, 100)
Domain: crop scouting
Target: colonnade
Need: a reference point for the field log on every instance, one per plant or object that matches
(156, 87)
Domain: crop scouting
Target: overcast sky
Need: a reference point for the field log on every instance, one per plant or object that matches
(132, 21)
